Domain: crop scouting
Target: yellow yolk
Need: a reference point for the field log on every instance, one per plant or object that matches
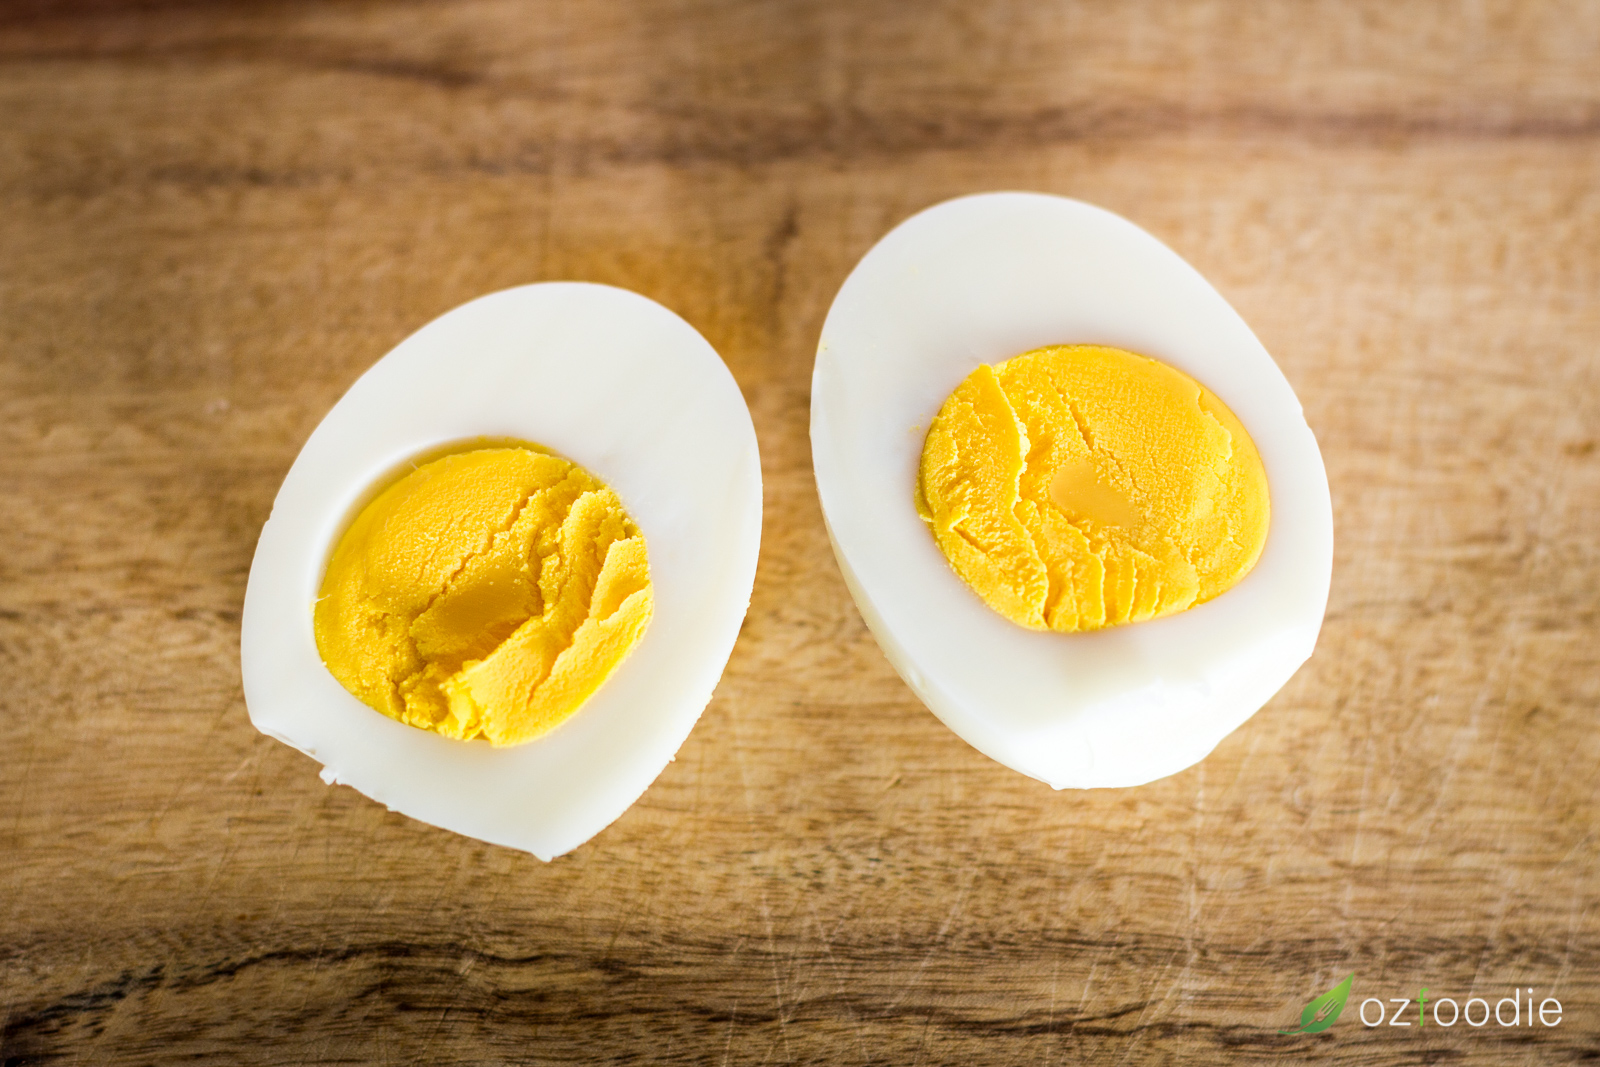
(486, 594)
(1076, 487)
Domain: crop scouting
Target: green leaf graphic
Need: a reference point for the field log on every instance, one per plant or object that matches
(1324, 1011)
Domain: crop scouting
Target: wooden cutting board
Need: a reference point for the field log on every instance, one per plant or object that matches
(217, 215)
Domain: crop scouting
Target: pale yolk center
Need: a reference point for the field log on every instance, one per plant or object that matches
(1078, 490)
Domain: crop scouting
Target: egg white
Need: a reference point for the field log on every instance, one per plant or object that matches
(979, 280)
(612, 381)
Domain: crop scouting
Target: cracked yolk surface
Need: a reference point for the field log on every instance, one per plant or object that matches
(486, 594)
(1076, 487)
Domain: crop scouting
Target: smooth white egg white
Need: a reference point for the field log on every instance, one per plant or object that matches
(979, 280)
(612, 381)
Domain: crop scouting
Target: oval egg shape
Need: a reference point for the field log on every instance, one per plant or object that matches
(612, 381)
(979, 280)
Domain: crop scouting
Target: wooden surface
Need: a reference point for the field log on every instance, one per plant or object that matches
(216, 216)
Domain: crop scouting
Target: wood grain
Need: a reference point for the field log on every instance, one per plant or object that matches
(217, 215)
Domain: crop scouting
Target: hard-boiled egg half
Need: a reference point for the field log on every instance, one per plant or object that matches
(1035, 431)
(585, 429)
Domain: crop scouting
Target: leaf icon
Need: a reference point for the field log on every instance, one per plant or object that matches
(1324, 1011)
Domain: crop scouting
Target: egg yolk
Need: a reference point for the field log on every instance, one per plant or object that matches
(1076, 487)
(486, 594)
